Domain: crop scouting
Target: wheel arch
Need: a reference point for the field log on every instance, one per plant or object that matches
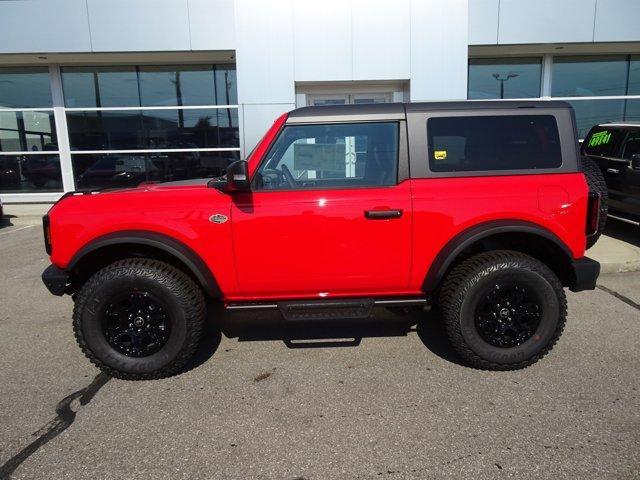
(118, 245)
(517, 235)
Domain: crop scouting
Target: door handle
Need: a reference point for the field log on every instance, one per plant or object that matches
(613, 170)
(382, 214)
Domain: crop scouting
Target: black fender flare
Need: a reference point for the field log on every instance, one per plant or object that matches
(169, 245)
(467, 237)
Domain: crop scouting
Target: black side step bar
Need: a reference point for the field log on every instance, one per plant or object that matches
(325, 309)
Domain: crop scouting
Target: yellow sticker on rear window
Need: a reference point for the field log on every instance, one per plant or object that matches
(440, 154)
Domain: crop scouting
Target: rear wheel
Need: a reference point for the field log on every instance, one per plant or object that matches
(597, 184)
(139, 319)
(502, 310)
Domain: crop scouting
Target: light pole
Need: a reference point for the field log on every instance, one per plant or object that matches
(502, 80)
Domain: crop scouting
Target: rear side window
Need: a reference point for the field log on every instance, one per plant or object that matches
(504, 142)
(603, 142)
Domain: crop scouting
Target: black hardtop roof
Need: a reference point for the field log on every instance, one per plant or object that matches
(395, 110)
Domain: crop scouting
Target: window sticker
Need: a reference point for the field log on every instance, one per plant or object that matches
(440, 154)
(600, 138)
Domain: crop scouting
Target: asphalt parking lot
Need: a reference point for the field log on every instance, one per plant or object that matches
(381, 399)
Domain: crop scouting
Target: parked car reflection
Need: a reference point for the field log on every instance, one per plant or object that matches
(130, 170)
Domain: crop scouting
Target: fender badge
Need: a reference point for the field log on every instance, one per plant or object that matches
(218, 218)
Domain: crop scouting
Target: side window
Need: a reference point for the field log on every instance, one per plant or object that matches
(631, 146)
(331, 156)
(501, 142)
(603, 142)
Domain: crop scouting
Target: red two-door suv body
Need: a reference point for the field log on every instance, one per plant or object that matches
(479, 208)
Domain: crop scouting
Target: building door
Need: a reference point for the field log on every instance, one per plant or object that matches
(348, 98)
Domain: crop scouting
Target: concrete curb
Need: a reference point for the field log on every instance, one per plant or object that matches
(615, 256)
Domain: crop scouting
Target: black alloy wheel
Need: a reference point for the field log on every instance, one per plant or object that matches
(503, 310)
(139, 319)
(508, 315)
(136, 323)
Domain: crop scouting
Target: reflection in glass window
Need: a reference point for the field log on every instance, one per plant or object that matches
(506, 142)
(30, 173)
(226, 86)
(146, 86)
(162, 85)
(100, 86)
(24, 87)
(153, 129)
(634, 75)
(27, 131)
(331, 156)
(583, 76)
(631, 146)
(504, 78)
(592, 112)
(112, 170)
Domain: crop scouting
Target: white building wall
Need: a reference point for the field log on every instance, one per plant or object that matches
(44, 26)
(60, 26)
(281, 43)
(513, 22)
(439, 50)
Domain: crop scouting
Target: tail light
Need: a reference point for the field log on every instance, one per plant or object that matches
(46, 226)
(593, 213)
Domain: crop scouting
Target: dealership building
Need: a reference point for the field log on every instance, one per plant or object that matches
(99, 94)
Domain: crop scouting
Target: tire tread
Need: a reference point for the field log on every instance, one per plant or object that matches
(190, 296)
(461, 279)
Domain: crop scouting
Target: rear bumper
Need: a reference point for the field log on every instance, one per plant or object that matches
(585, 274)
(55, 280)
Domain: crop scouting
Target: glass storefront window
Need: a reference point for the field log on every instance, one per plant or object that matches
(634, 75)
(592, 112)
(149, 86)
(504, 78)
(100, 86)
(586, 76)
(226, 88)
(108, 170)
(24, 87)
(30, 173)
(153, 129)
(22, 131)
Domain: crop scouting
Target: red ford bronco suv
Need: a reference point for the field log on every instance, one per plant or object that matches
(480, 209)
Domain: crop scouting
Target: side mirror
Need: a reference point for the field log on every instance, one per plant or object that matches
(235, 180)
(635, 161)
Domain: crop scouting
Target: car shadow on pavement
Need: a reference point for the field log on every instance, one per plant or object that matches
(211, 338)
(5, 221)
(432, 334)
(270, 326)
(624, 231)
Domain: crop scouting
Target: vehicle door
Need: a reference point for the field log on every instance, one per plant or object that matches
(328, 214)
(630, 176)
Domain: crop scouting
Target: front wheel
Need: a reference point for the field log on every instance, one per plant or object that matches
(503, 310)
(139, 319)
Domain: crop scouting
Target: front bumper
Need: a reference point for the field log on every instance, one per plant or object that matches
(585, 274)
(55, 280)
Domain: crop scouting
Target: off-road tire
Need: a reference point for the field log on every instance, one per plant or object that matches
(597, 184)
(461, 291)
(187, 311)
